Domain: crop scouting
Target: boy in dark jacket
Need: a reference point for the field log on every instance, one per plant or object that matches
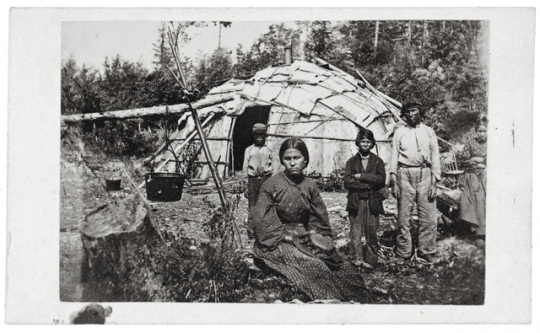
(364, 177)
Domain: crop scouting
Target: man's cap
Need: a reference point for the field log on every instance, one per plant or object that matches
(259, 128)
(411, 104)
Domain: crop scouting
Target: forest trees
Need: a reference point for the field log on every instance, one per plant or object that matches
(80, 90)
(214, 71)
(267, 50)
(442, 63)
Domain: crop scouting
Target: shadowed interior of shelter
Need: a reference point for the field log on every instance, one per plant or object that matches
(242, 133)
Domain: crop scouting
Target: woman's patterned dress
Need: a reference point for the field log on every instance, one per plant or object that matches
(472, 204)
(288, 208)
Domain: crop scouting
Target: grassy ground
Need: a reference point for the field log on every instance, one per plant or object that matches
(457, 279)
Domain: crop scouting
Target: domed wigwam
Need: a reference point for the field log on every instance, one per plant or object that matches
(319, 103)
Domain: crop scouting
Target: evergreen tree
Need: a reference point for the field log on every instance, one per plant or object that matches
(80, 91)
(162, 52)
(119, 83)
(213, 71)
(268, 50)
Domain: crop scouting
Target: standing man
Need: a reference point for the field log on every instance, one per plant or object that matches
(257, 169)
(415, 170)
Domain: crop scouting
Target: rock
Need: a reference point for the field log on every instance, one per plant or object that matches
(335, 209)
(341, 243)
(296, 301)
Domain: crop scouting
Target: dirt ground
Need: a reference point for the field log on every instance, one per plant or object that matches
(457, 279)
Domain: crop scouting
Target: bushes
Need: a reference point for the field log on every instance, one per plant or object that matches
(121, 139)
(462, 122)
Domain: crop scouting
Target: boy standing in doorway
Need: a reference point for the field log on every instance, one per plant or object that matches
(257, 168)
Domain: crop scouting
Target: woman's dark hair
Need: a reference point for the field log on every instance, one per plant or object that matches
(364, 133)
(294, 143)
(481, 121)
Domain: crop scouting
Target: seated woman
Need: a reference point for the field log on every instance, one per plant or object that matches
(293, 234)
(472, 204)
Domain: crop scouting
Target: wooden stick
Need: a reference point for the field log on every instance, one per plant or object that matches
(232, 158)
(340, 113)
(211, 165)
(229, 152)
(337, 70)
(318, 137)
(204, 162)
(208, 139)
(175, 76)
(268, 102)
(288, 126)
(206, 149)
(179, 147)
(390, 99)
(186, 140)
(307, 121)
(314, 128)
(448, 143)
(144, 112)
(176, 57)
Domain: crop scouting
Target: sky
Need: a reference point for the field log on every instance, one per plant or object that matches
(90, 42)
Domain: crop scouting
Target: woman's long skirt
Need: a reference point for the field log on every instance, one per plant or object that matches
(472, 203)
(314, 277)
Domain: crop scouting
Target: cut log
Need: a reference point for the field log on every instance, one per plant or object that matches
(114, 239)
(145, 112)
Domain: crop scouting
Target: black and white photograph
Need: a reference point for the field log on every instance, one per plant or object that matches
(315, 162)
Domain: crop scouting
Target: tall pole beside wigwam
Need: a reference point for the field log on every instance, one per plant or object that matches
(182, 82)
(219, 38)
(376, 36)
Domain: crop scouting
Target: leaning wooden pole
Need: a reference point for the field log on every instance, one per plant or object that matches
(217, 179)
(182, 81)
(208, 155)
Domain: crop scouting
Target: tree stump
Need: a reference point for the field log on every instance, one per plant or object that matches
(119, 240)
